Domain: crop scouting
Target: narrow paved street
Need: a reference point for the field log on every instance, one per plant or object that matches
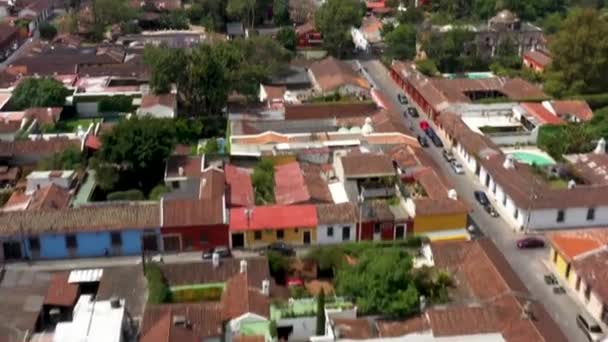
(528, 264)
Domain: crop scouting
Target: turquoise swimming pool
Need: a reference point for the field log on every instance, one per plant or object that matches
(470, 75)
(533, 158)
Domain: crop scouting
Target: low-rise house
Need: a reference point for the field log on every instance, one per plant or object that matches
(30, 151)
(158, 5)
(337, 223)
(536, 60)
(158, 106)
(39, 179)
(366, 175)
(262, 225)
(235, 30)
(48, 197)
(331, 76)
(289, 184)
(239, 189)
(180, 168)
(308, 36)
(9, 40)
(273, 96)
(10, 129)
(175, 39)
(117, 229)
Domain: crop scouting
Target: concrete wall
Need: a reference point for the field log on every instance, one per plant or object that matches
(594, 304)
(303, 327)
(323, 238)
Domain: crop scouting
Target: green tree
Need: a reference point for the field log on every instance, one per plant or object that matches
(380, 282)
(158, 191)
(321, 313)
(427, 67)
(579, 52)
(449, 49)
(552, 23)
(263, 182)
(133, 154)
(213, 14)
(278, 265)
(288, 38)
(413, 15)
(69, 159)
(401, 42)
(107, 12)
(47, 31)
(212, 146)
(334, 19)
(39, 92)
(174, 20)
(280, 12)
(243, 10)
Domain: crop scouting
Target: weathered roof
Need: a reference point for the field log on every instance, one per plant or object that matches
(593, 269)
(573, 243)
(188, 212)
(309, 111)
(355, 329)
(367, 165)
(151, 100)
(273, 217)
(241, 297)
(538, 57)
(336, 213)
(192, 166)
(332, 73)
(205, 320)
(576, 108)
(541, 113)
(204, 272)
(290, 187)
(60, 292)
(240, 189)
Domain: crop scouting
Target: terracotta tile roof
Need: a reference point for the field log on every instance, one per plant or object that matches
(41, 147)
(50, 197)
(577, 108)
(274, 92)
(573, 243)
(9, 126)
(336, 213)
(191, 165)
(402, 327)
(592, 167)
(240, 298)
(274, 217)
(377, 211)
(473, 142)
(205, 320)
(355, 329)
(240, 189)
(213, 183)
(82, 219)
(290, 187)
(9, 174)
(593, 269)
(60, 292)
(331, 73)
(542, 59)
(440, 206)
(541, 113)
(167, 100)
(44, 115)
(367, 165)
(190, 212)
(317, 186)
(205, 272)
(311, 111)
(431, 182)
(254, 338)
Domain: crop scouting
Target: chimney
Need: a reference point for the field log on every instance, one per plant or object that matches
(215, 259)
(243, 266)
(180, 171)
(266, 287)
(571, 184)
(509, 162)
(601, 147)
(114, 303)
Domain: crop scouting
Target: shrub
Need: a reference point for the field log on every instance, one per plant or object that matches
(158, 290)
(158, 191)
(117, 103)
(197, 294)
(47, 31)
(128, 195)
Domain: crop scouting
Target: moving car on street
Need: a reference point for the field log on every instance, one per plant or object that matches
(279, 247)
(530, 242)
(423, 142)
(481, 198)
(402, 99)
(222, 251)
(413, 112)
(448, 156)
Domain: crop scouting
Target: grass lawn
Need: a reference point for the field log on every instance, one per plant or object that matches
(71, 125)
(558, 184)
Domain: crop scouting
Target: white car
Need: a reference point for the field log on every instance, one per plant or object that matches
(457, 167)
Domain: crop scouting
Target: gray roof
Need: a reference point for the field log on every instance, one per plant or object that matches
(235, 29)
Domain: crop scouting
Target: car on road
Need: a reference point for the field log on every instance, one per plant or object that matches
(481, 198)
(490, 210)
(457, 167)
(413, 112)
(423, 142)
(279, 247)
(424, 125)
(222, 251)
(448, 156)
(589, 327)
(530, 242)
(550, 279)
(402, 99)
(435, 139)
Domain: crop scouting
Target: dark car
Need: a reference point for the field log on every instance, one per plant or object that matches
(481, 197)
(448, 156)
(423, 142)
(402, 99)
(279, 247)
(436, 141)
(530, 242)
(222, 251)
(490, 210)
(413, 112)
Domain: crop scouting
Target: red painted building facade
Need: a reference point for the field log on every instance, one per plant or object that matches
(308, 36)
(413, 93)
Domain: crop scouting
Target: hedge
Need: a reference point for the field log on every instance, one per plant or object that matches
(117, 103)
(197, 294)
(158, 290)
(129, 195)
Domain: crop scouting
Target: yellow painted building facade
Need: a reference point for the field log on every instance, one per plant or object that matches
(292, 236)
(561, 265)
(433, 223)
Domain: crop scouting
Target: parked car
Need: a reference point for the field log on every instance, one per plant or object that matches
(223, 251)
(589, 327)
(295, 282)
(490, 210)
(424, 125)
(402, 99)
(413, 112)
(550, 279)
(530, 242)
(457, 167)
(435, 139)
(430, 132)
(448, 156)
(279, 247)
(423, 142)
(481, 198)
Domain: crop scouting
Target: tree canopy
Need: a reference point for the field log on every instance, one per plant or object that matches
(452, 51)
(579, 51)
(39, 92)
(401, 42)
(133, 154)
(381, 282)
(288, 38)
(263, 182)
(334, 19)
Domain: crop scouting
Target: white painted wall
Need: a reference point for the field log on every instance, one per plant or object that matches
(158, 111)
(303, 327)
(323, 238)
(594, 304)
(574, 217)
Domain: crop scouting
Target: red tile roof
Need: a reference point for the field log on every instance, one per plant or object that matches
(191, 165)
(541, 113)
(274, 92)
(402, 327)
(60, 292)
(290, 187)
(573, 243)
(44, 115)
(240, 189)
(577, 108)
(540, 58)
(367, 165)
(50, 197)
(593, 269)
(331, 73)
(205, 322)
(239, 298)
(355, 329)
(167, 100)
(274, 217)
(309, 111)
(192, 212)
(93, 142)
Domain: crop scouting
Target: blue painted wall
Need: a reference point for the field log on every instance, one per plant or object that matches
(52, 246)
(92, 244)
(131, 242)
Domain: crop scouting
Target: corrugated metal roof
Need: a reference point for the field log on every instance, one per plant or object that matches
(85, 276)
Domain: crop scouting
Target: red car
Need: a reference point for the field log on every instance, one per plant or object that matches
(295, 282)
(424, 125)
(530, 242)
